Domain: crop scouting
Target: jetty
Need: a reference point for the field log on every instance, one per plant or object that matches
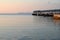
(50, 13)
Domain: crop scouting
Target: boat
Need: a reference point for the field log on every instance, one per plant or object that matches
(56, 16)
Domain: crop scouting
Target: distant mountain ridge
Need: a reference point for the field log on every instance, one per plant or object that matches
(25, 13)
(15, 13)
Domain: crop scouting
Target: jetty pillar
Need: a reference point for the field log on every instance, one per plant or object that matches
(37, 13)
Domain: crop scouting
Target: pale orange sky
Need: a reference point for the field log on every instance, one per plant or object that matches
(15, 6)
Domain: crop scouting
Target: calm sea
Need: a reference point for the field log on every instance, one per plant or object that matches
(28, 27)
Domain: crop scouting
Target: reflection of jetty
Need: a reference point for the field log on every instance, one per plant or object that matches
(46, 12)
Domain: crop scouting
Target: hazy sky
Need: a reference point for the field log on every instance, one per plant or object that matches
(13, 6)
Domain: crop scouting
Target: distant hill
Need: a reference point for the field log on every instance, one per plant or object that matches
(24, 13)
(15, 13)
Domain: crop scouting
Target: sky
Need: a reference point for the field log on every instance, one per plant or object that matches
(15, 6)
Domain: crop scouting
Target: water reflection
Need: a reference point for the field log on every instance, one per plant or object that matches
(46, 20)
(42, 19)
(57, 22)
(50, 27)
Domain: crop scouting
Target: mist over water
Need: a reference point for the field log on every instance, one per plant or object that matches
(28, 27)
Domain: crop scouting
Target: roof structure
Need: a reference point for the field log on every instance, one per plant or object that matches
(55, 10)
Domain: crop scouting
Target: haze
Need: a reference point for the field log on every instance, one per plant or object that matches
(14, 6)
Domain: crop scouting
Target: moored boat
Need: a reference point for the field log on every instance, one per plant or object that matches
(56, 16)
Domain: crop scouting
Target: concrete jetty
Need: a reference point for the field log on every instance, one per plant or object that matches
(50, 13)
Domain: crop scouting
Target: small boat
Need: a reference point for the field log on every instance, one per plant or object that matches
(56, 16)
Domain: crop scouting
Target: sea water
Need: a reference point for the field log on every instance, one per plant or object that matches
(28, 27)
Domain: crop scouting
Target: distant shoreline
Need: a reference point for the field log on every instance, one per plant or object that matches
(18, 14)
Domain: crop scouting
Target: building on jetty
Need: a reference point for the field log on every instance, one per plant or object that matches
(46, 12)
